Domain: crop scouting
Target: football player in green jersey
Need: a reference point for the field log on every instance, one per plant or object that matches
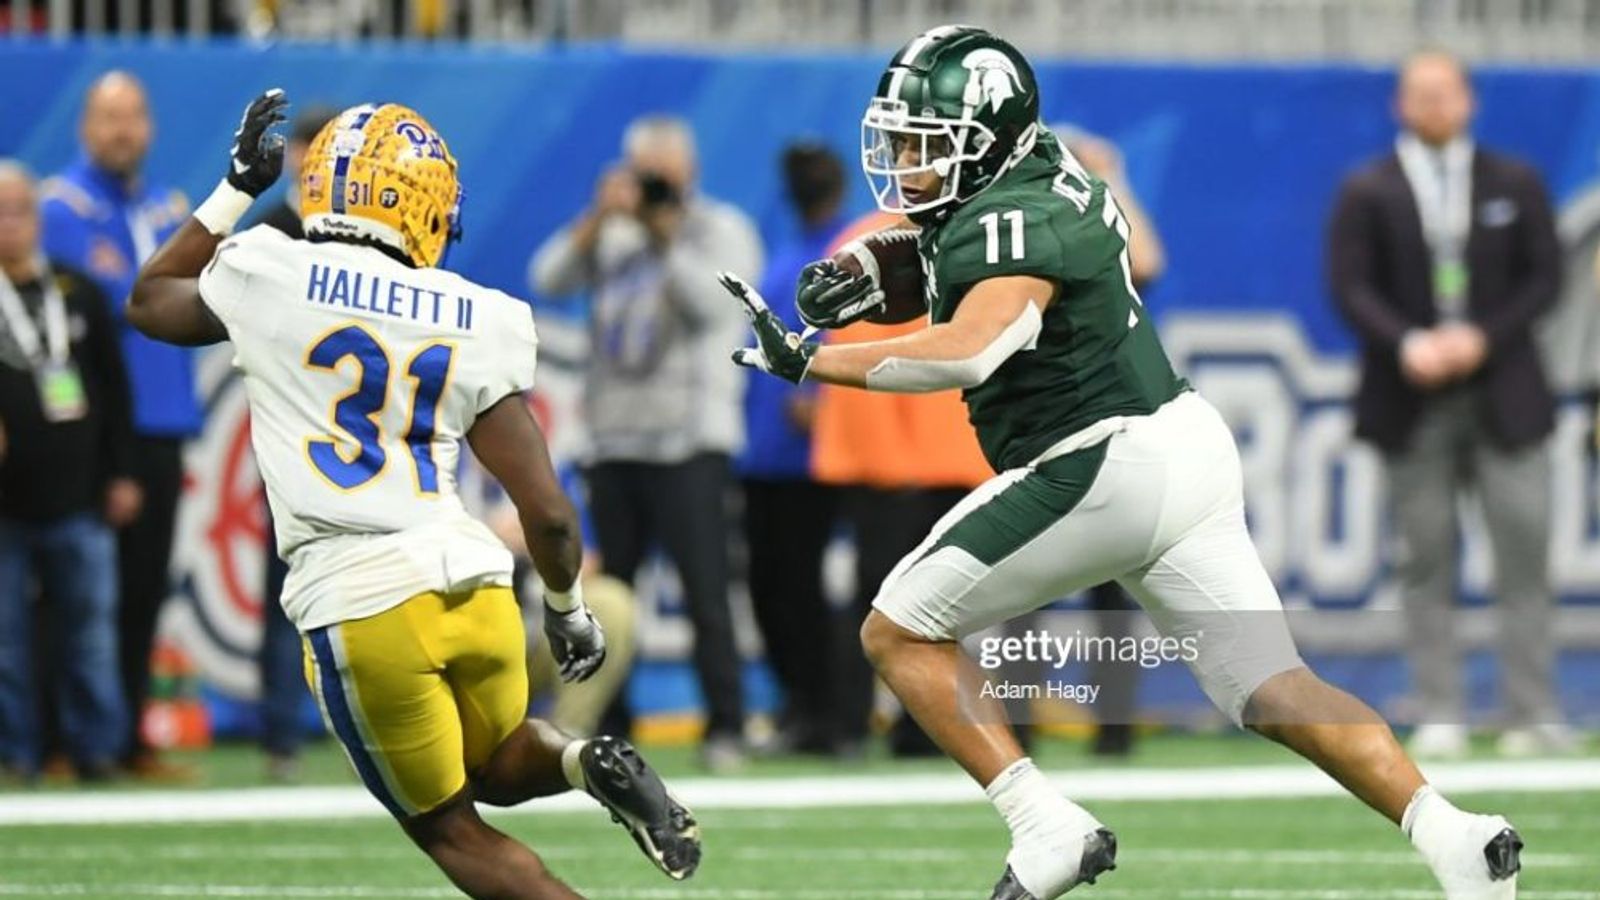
(1110, 466)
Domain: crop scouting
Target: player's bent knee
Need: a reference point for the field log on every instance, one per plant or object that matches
(525, 765)
(876, 638)
(881, 636)
(452, 825)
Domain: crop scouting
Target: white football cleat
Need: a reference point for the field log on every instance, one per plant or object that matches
(1548, 739)
(1477, 858)
(1438, 740)
(1079, 860)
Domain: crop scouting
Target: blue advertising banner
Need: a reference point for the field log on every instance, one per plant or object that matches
(1238, 166)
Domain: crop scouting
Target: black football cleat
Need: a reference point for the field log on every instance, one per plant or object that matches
(615, 774)
(1008, 889)
(1504, 854)
(1099, 856)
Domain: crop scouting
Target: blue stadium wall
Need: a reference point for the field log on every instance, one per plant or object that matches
(1237, 164)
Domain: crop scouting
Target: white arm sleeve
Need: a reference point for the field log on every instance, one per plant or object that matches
(915, 376)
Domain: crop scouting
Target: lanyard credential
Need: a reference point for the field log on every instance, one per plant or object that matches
(1441, 181)
(22, 327)
(62, 397)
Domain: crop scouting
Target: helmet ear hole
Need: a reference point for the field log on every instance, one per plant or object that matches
(433, 223)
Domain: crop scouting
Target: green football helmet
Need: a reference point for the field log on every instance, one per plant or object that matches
(957, 102)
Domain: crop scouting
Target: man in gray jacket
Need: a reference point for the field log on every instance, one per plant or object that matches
(662, 407)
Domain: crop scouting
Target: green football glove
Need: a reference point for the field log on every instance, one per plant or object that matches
(829, 297)
(778, 351)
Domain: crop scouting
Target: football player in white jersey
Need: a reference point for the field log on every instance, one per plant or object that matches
(366, 367)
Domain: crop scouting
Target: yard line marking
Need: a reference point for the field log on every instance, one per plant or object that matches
(1243, 782)
(58, 889)
(1217, 856)
(189, 851)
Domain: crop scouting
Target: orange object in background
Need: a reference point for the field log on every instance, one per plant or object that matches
(174, 717)
(885, 440)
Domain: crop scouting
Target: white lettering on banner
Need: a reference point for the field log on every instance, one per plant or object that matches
(1314, 494)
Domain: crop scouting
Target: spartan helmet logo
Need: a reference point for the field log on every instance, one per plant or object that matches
(991, 78)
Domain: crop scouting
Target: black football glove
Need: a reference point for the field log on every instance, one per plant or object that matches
(576, 640)
(257, 158)
(778, 350)
(829, 297)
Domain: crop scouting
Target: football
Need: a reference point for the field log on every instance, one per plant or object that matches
(889, 257)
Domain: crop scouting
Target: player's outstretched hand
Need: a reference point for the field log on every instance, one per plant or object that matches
(257, 158)
(778, 350)
(577, 641)
(829, 297)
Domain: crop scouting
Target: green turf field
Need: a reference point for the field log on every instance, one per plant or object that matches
(1265, 848)
(1322, 847)
(235, 765)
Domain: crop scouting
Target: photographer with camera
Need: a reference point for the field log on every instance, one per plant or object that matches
(663, 411)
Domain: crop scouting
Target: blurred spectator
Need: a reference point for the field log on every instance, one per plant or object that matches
(788, 516)
(1442, 255)
(660, 400)
(283, 686)
(103, 217)
(1115, 611)
(903, 460)
(1147, 256)
(63, 485)
(576, 708)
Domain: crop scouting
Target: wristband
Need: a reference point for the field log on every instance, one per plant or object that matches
(565, 601)
(223, 209)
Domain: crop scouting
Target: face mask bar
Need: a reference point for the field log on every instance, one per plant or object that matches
(454, 218)
(895, 145)
(453, 236)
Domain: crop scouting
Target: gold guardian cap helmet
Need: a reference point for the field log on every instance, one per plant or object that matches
(382, 174)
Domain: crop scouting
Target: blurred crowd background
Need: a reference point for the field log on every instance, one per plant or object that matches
(1399, 322)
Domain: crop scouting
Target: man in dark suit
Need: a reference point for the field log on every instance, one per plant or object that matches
(1442, 255)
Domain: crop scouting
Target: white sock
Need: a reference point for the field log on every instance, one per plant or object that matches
(1027, 801)
(571, 767)
(1424, 796)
